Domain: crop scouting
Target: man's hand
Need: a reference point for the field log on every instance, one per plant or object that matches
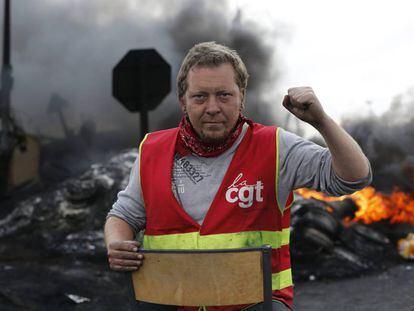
(348, 160)
(124, 256)
(303, 103)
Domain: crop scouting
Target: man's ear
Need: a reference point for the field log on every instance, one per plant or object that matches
(242, 97)
(182, 104)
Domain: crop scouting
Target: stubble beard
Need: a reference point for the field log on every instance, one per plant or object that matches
(214, 138)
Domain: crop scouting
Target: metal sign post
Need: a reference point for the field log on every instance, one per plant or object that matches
(6, 141)
(140, 81)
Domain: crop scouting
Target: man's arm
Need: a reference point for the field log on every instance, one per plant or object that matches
(130, 205)
(348, 160)
(122, 248)
(126, 217)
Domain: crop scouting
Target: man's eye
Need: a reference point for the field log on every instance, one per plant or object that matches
(198, 96)
(225, 95)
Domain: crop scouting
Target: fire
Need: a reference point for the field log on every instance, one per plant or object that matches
(406, 246)
(374, 206)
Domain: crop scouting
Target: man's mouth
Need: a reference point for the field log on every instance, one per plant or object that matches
(212, 122)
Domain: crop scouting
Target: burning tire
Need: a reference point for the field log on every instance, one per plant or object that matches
(318, 238)
(370, 234)
(321, 220)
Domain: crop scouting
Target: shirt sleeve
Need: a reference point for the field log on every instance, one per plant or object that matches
(129, 205)
(306, 164)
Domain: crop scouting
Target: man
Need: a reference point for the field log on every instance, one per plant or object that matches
(221, 180)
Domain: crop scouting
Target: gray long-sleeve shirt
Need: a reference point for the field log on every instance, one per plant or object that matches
(302, 164)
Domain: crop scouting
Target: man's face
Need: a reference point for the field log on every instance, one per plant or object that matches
(213, 101)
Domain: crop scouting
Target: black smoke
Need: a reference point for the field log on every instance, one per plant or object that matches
(205, 21)
(70, 47)
(388, 142)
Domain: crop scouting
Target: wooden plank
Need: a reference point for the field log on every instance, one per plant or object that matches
(24, 165)
(200, 279)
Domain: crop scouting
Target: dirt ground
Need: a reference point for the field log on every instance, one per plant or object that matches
(388, 290)
(28, 287)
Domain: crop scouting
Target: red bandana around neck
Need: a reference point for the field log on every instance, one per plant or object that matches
(189, 142)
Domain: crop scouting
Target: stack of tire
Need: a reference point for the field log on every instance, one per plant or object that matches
(325, 246)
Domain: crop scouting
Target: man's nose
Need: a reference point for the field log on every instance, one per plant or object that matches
(213, 106)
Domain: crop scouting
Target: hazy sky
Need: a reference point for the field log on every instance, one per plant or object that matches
(350, 52)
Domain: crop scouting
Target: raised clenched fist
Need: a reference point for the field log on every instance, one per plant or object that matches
(303, 103)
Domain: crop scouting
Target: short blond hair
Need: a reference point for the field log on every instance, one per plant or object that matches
(211, 54)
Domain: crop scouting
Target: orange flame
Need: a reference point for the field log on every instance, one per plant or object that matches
(373, 206)
(406, 246)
